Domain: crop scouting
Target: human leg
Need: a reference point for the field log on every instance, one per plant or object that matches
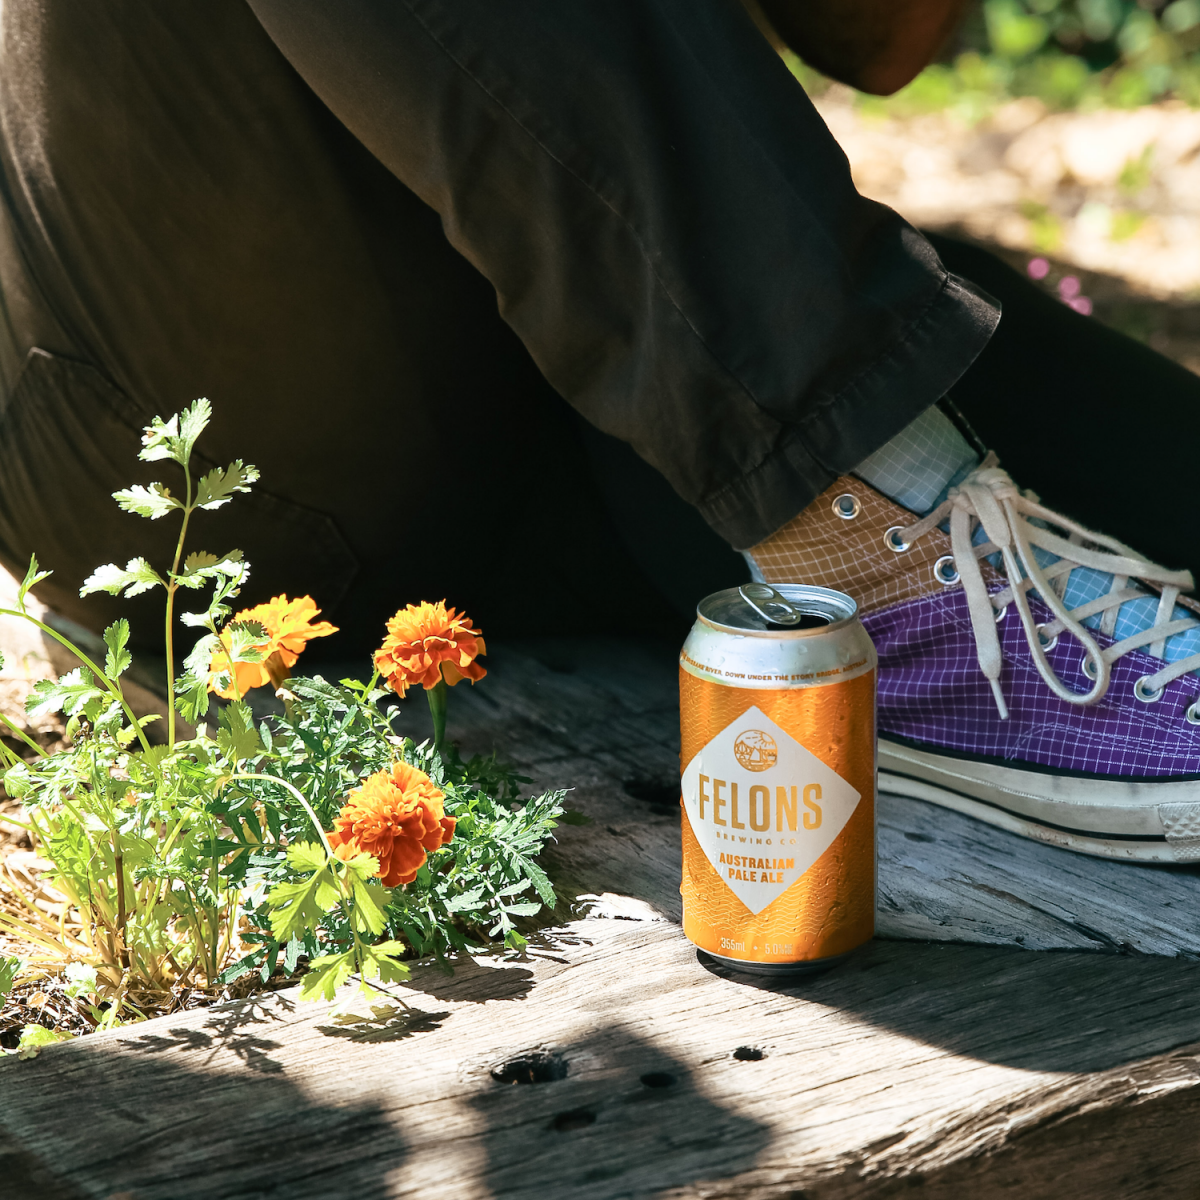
(181, 216)
(667, 223)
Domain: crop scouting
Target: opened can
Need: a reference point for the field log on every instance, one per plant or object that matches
(777, 722)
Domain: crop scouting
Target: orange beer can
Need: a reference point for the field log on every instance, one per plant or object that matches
(777, 723)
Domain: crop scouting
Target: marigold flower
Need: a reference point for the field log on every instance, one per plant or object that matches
(396, 816)
(427, 643)
(289, 629)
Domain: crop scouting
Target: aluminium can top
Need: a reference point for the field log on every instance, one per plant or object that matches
(781, 610)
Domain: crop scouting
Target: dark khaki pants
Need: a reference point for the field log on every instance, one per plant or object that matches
(385, 237)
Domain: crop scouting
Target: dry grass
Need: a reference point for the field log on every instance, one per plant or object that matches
(33, 904)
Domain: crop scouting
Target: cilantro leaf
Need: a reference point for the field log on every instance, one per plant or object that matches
(199, 659)
(9, 966)
(32, 578)
(325, 975)
(218, 485)
(299, 906)
(237, 738)
(116, 638)
(153, 502)
(176, 438)
(193, 697)
(160, 439)
(34, 1037)
(380, 961)
(243, 641)
(192, 423)
(71, 694)
(81, 980)
(307, 856)
(137, 576)
(201, 565)
(370, 904)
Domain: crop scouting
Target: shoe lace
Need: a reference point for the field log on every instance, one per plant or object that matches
(1014, 522)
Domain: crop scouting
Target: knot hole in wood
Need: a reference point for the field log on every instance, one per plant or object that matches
(749, 1054)
(534, 1066)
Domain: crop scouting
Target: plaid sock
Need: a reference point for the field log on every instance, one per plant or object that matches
(921, 463)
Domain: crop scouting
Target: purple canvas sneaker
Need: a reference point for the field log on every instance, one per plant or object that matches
(995, 698)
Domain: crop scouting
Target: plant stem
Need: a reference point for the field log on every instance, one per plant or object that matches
(299, 796)
(23, 736)
(436, 696)
(215, 911)
(172, 588)
(112, 689)
(119, 863)
(346, 890)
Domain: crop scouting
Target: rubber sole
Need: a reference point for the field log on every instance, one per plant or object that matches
(1106, 818)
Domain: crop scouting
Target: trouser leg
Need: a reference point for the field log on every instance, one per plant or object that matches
(667, 223)
(182, 217)
(1100, 426)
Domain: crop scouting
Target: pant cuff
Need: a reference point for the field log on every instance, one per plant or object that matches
(836, 435)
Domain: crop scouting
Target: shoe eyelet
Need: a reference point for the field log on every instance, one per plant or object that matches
(1144, 694)
(892, 542)
(1046, 646)
(847, 506)
(947, 578)
(1088, 668)
(1001, 613)
(1193, 712)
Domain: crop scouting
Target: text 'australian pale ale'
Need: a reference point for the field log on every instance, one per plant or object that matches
(777, 717)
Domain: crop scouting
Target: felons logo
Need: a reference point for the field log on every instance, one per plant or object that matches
(755, 750)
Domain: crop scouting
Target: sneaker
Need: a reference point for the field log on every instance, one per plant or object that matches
(997, 700)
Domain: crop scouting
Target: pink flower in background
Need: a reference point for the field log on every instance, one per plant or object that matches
(1070, 290)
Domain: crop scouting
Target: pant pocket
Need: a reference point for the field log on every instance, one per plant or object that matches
(67, 442)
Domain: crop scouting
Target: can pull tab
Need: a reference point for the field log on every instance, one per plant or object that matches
(770, 604)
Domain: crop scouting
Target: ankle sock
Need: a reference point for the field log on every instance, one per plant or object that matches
(921, 463)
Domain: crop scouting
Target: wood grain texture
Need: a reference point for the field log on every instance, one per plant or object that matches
(923, 1066)
(606, 718)
(931, 1067)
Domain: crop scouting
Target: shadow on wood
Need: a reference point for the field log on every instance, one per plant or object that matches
(625, 1117)
(1068, 1012)
(177, 1113)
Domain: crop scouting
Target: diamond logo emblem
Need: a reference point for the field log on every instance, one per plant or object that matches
(762, 807)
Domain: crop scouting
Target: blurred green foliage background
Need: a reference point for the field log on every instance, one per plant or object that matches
(1071, 54)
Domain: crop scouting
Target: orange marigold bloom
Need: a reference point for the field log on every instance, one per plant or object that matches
(427, 643)
(289, 628)
(397, 816)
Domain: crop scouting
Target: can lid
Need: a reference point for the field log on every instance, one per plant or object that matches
(778, 609)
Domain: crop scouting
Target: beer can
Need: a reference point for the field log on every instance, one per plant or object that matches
(777, 756)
